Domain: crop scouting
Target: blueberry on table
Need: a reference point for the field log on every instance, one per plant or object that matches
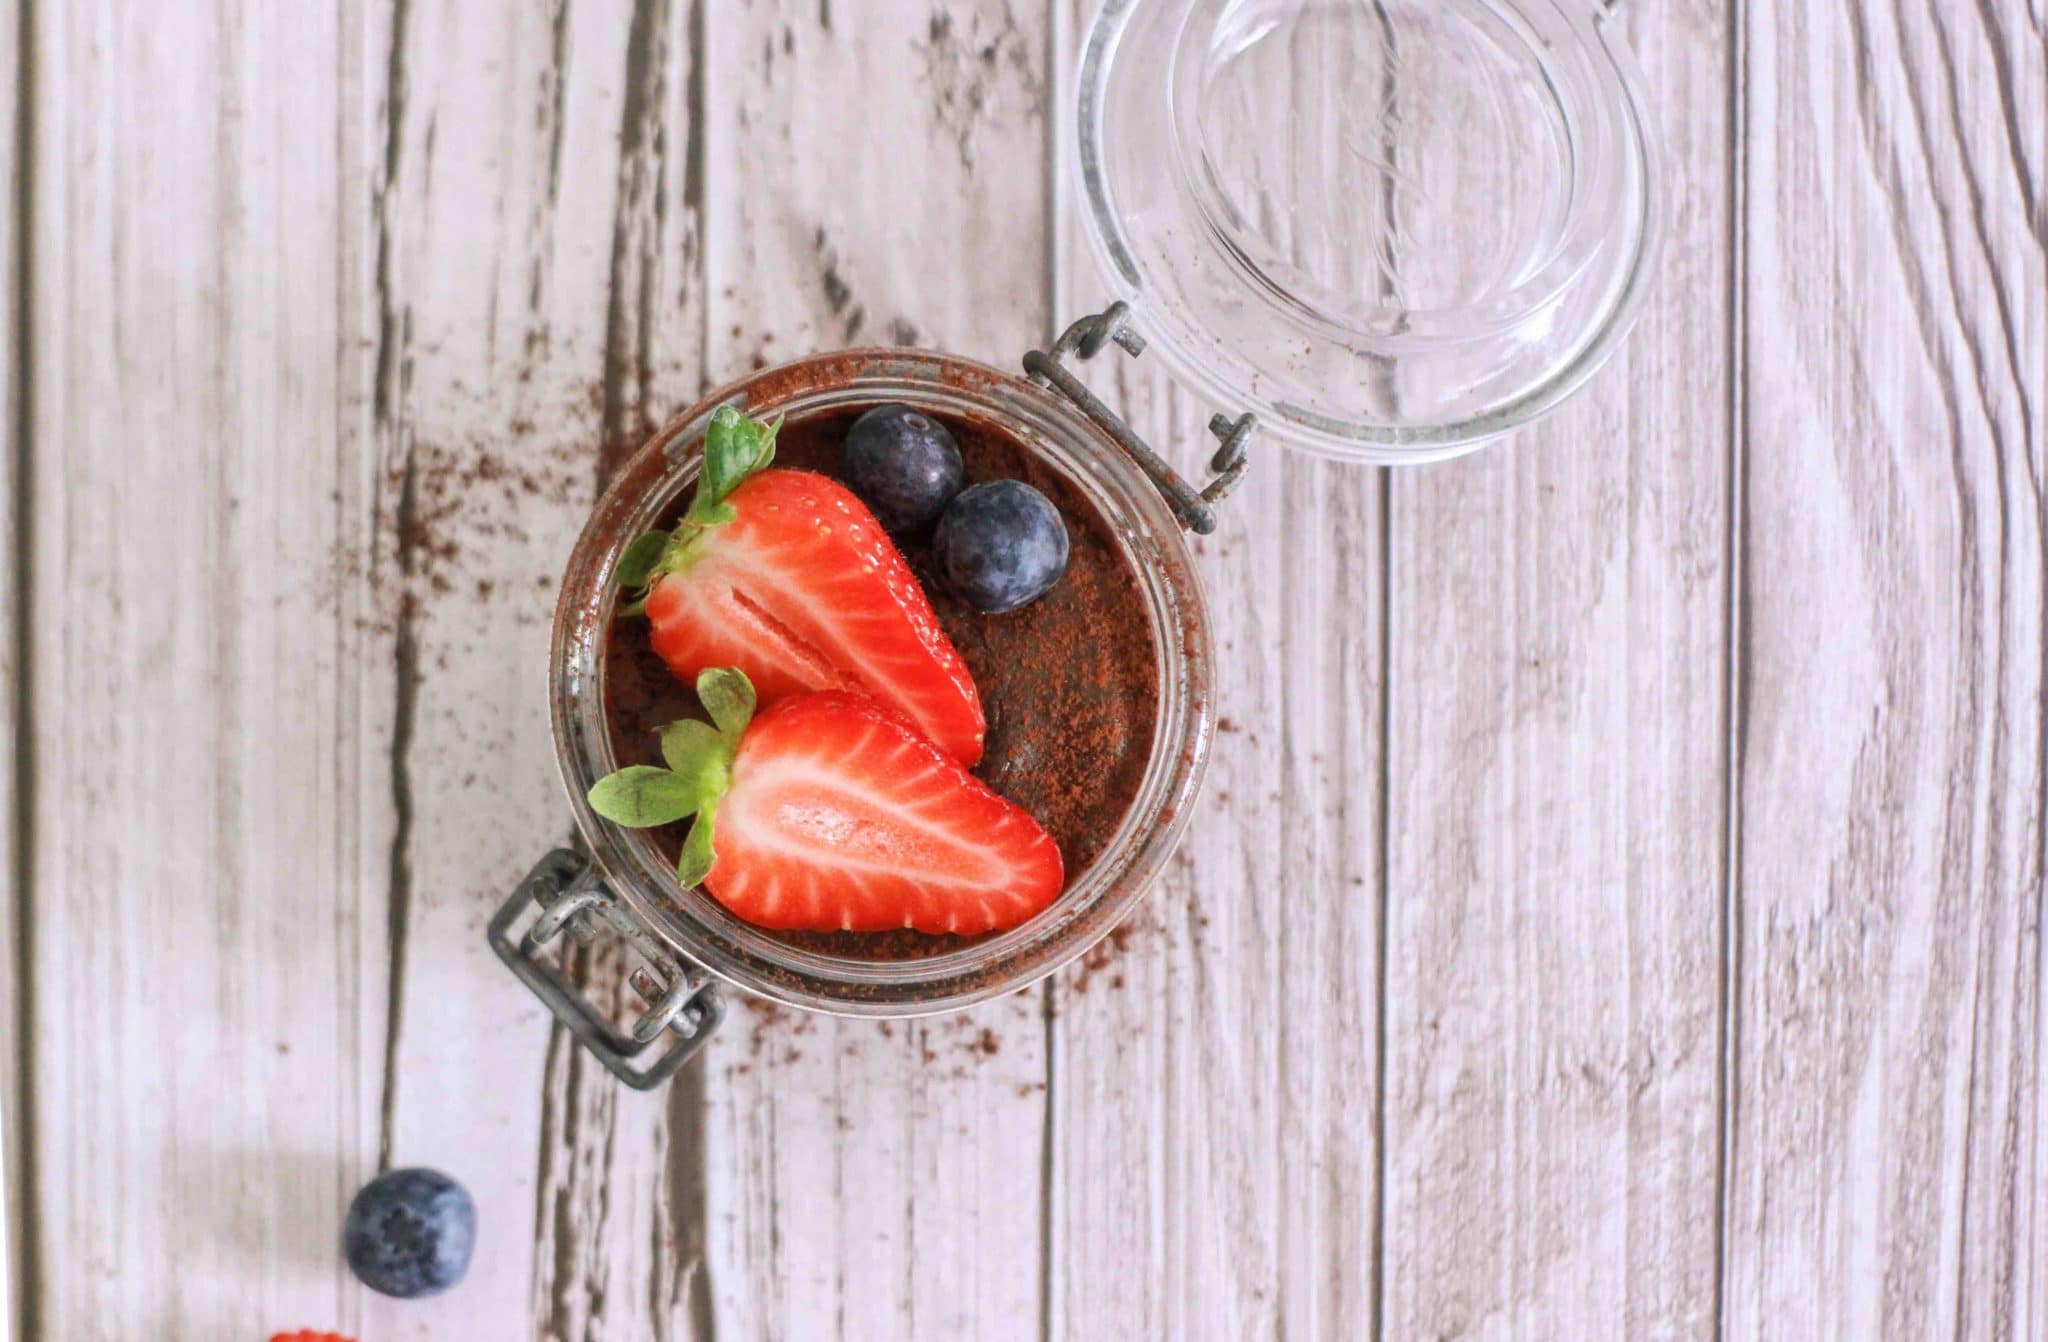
(409, 1233)
(1001, 545)
(903, 464)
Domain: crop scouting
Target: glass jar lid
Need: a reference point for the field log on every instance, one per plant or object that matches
(1394, 229)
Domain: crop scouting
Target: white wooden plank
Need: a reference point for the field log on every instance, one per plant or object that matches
(619, 1207)
(1887, 1177)
(1214, 1075)
(874, 174)
(194, 842)
(532, 291)
(1556, 793)
(1215, 1071)
(13, 520)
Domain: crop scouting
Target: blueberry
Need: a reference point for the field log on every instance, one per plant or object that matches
(1000, 546)
(409, 1233)
(903, 464)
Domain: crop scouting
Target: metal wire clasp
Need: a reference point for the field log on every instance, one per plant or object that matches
(682, 1005)
(1085, 338)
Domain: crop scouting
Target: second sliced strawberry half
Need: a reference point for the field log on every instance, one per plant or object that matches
(827, 813)
(787, 576)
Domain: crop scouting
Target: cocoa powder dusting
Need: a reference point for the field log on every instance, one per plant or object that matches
(1102, 958)
(450, 508)
(1068, 684)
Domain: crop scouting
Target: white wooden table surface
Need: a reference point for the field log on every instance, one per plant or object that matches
(1619, 908)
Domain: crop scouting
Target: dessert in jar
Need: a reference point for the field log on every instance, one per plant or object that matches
(1094, 698)
(1066, 681)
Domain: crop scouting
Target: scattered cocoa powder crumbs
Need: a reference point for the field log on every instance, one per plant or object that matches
(456, 494)
(1225, 725)
(987, 1043)
(1107, 952)
(768, 1020)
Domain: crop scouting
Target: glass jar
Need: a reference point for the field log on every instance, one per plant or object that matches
(1393, 229)
(628, 885)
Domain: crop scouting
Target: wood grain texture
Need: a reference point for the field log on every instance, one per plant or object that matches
(1215, 1065)
(192, 707)
(1887, 1177)
(1214, 1153)
(532, 297)
(1556, 830)
(874, 175)
(14, 616)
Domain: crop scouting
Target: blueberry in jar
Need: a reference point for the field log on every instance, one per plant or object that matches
(1000, 545)
(903, 464)
(409, 1233)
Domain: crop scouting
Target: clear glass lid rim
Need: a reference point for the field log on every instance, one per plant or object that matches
(1203, 357)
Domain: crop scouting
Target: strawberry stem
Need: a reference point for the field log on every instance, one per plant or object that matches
(735, 448)
(699, 755)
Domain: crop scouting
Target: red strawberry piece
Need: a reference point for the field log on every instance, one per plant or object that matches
(840, 819)
(827, 812)
(787, 576)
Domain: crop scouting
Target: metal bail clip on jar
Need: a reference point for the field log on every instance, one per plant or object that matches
(1393, 230)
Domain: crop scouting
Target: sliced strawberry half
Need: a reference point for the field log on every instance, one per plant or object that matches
(827, 813)
(840, 819)
(787, 576)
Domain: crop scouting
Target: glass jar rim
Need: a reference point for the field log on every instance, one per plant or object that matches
(694, 924)
(1237, 334)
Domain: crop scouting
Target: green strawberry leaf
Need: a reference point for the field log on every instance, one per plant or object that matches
(735, 447)
(698, 754)
(637, 564)
(695, 863)
(756, 446)
(641, 795)
(730, 446)
(729, 698)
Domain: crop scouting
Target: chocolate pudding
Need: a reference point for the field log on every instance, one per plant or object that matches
(1068, 683)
